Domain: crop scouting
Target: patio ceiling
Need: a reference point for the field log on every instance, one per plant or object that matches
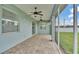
(47, 9)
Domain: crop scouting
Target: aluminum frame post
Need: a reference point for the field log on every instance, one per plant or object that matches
(75, 39)
(58, 28)
(53, 27)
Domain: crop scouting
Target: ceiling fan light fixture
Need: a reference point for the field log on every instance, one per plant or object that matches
(40, 19)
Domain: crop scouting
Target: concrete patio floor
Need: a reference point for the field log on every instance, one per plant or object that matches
(39, 44)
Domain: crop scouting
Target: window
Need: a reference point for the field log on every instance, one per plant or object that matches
(9, 23)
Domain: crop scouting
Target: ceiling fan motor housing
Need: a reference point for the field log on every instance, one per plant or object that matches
(35, 12)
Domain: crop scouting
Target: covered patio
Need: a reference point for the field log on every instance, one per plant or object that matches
(22, 33)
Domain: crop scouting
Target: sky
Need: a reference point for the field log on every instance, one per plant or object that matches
(67, 15)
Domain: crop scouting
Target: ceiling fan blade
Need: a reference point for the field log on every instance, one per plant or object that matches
(39, 11)
(30, 13)
(40, 14)
(46, 20)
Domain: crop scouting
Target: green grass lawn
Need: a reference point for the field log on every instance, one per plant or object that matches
(66, 41)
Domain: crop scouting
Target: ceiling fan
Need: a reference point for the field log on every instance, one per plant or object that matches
(41, 20)
(36, 12)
